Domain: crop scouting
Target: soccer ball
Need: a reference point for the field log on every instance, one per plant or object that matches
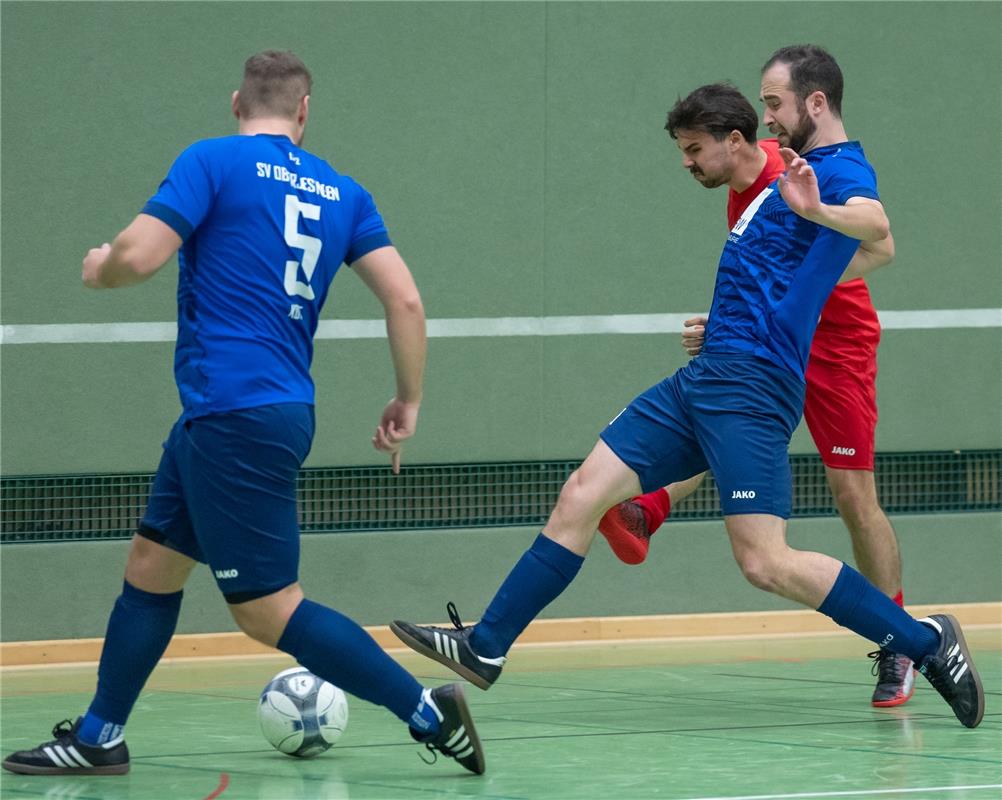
(300, 714)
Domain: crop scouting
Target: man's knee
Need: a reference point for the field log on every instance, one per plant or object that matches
(575, 499)
(759, 546)
(759, 570)
(156, 568)
(264, 618)
(854, 494)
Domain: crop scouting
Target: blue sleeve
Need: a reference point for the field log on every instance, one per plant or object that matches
(370, 231)
(846, 178)
(187, 193)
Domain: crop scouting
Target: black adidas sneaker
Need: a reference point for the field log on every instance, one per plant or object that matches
(450, 646)
(951, 670)
(457, 738)
(67, 755)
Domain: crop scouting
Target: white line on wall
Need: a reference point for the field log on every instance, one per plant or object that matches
(477, 327)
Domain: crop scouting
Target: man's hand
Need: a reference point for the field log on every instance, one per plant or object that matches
(92, 264)
(799, 185)
(692, 335)
(396, 426)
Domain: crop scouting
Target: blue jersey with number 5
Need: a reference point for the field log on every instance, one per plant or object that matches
(265, 226)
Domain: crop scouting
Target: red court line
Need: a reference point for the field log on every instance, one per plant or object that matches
(224, 781)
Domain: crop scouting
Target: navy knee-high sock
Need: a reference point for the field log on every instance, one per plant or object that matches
(540, 575)
(139, 630)
(858, 605)
(338, 650)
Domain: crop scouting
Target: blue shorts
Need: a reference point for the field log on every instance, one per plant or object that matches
(732, 414)
(225, 494)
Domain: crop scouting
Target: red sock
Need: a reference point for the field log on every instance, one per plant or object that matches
(656, 506)
(899, 598)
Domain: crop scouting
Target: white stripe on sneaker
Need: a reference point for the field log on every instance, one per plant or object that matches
(438, 642)
(465, 753)
(80, 759)
(459, 734)
(960, 674)
(53, 757)
(67, 757)
(455, 649)
(954, 650)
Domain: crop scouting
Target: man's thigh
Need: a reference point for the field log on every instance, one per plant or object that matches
(166, 520)
(653, 435)
(840, 410)
(240, 471)
(744, 413)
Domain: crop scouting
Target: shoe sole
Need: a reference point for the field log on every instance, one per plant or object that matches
(970, 667)
(430, 652)
(30, 769)
(471, 730)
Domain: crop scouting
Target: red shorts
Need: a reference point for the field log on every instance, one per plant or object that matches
(840, 408)
(840, 404)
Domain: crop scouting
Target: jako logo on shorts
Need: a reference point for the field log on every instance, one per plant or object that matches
(843, 451)
(226, 573)
(743, 495)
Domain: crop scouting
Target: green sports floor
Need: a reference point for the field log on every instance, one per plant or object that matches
(741, 718)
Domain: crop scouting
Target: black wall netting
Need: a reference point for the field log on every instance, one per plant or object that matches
(54, 508)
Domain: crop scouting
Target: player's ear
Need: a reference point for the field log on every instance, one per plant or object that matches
(304, 109)
(817, 102)
(235, 103)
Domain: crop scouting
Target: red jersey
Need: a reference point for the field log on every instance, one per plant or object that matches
(848, 329)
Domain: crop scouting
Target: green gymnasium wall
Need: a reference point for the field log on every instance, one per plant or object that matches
(517, 153)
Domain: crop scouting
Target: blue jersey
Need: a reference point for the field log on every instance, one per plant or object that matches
(265, 226)
(777, 268)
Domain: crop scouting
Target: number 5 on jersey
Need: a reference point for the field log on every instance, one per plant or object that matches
(310, 245)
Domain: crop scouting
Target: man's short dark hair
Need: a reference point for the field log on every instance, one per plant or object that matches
(274, 83)
(717, 109)
(812, 69)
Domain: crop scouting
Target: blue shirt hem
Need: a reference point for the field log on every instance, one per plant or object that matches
(367, 245)
(170, 217)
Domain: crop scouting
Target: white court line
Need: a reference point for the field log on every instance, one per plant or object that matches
(866, 792)
(477, 327)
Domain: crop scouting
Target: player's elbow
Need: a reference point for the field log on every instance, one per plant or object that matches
(885, 255)
(406, 305)
(129, 263)
(881, 229)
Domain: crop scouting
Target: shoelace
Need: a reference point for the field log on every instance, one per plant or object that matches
(63, 728)
(435, 749)
(885, 665)
(454, 616)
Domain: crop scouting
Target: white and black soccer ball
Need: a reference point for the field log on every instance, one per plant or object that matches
(300, 714)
